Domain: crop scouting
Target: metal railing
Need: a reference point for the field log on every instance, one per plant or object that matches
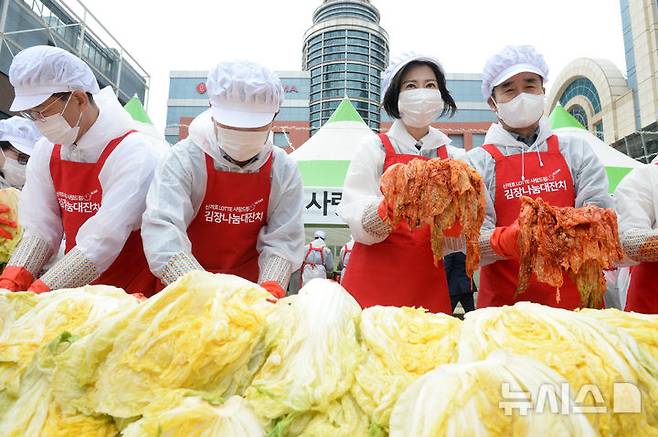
(70, 25)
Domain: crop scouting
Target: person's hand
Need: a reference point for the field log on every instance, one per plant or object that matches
(15, 278)
(385, 213)
(4, 221)
(505, 241)
(38, 286)
(274, 288)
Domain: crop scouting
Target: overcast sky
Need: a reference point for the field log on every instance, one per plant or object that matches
(194, 34)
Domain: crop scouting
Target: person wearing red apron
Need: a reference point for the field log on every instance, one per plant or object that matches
(523, 157)
(408, 251)
(636, 203)
(318, 260)
(396, 266)
(87, 180)
(345, 254)
(498, 281)
(225, 200)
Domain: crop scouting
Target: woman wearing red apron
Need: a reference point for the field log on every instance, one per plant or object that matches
(225, 200)
(396, 266)
(636, 202)
(522, 157)
(87, 180)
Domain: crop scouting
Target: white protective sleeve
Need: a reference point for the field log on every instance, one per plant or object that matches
(361, 193)
(636, 203)
(179, 187)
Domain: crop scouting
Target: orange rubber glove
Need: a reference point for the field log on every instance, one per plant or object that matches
(505, 241)
(454, 231)
(15, 278)
(274, 288)
(38, 286)
(385, 213)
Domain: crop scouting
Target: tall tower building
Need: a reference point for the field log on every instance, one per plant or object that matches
(640, 26)
(346, 51)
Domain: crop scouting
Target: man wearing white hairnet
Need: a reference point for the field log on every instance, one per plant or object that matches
(318, 259)
(17, 139)
(87, 179)
(636, 202)
(522, 157)
(225, 200)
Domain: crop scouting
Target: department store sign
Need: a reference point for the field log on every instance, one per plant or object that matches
(288, 89)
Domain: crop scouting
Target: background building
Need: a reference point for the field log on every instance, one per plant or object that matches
(187, 99)
(344, 53)
(345, 50)
(621, 110)
(71, 26)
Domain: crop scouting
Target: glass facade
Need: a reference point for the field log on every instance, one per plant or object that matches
(582, 87)
(345, 61)
(579, 114)
(629, 51)
(47, 22)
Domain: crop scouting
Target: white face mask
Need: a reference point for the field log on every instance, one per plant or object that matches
(57, 130)
(420, 107)
(14, 173)
(522, 111)
(241, 145)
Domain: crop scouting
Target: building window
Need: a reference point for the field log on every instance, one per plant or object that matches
(281, 140)
(579, 114)
(598, 130)
(478, 140)
(457, 141)
(582, 87)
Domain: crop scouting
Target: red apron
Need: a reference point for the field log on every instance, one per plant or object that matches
(400, 270)
(642, 294)
(549, 179)
(313, 265)
(233, 211)
(80, 195)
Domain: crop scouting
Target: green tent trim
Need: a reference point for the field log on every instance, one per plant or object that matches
(561, 118)
(136, 110)
(323, 173)
(615, 175)
(345, 112)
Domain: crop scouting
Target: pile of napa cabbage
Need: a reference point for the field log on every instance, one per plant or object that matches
(213, 355)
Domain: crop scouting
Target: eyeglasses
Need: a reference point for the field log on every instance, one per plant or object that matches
(22, 158)
(38, 115)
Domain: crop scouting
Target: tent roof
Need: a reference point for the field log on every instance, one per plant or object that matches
(560, 118)
(137, 111)
(617, 165)
(345, 112)
(323, 159)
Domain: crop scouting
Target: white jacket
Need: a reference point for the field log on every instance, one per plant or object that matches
(124, 179)
(636, 203)
(361, 189)
(588, 173)
(179, 187)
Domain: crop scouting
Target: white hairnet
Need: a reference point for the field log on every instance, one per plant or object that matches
(21, 133)
(401, 61)
(510, 61)
(38, 72)
(320, 234)
(243, 94)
